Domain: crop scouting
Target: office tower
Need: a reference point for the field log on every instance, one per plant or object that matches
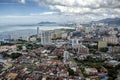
(46, 38)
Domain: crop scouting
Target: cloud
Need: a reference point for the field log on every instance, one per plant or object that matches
(69, 11)
(77, 5)
(43, 13)
(22, 1)
(91, 8)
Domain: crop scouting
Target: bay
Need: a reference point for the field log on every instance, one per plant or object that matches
(6, 30)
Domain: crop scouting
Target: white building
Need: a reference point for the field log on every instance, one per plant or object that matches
(24, 48)
(46, 38)
(115, 49)
(79, 28)
(75, 43)
(112, 32)
(33, 39)
(91, 71)
(26, 38)
(89, 29)
(64, 35)
(113, 63)
(65, 56)
(14, 36)
(37, 32)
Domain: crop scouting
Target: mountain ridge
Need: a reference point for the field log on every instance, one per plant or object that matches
(109, 21)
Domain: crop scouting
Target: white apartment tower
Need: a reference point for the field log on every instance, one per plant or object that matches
(37, 32)
(65, 56)
(46, 38)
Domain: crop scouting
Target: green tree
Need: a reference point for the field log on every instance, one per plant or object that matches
(71, 72)
(19, 47)
(103, 49)
(15, 55)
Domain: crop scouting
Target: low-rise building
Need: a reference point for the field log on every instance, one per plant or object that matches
(12, 76)
(6, 48)
(115, 49)
(91, 71)
(33, 39)
(112, 63)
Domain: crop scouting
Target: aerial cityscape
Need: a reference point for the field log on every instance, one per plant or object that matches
(59, 39)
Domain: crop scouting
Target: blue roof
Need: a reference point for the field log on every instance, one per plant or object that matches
(106, 78)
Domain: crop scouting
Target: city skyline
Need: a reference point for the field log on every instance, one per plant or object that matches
(34, 11)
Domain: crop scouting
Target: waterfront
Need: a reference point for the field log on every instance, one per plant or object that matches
(25, 30)
(13, 28)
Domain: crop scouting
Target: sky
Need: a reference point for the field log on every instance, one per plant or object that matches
(61, 11)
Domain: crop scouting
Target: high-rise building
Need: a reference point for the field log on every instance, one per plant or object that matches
(83, 49)
(9, 36)
(102, 44)
(65, 56)
(110, 39)
(37, 32)
(75, 42)
(46, 38)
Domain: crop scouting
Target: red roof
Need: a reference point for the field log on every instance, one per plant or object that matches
(55, 61)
